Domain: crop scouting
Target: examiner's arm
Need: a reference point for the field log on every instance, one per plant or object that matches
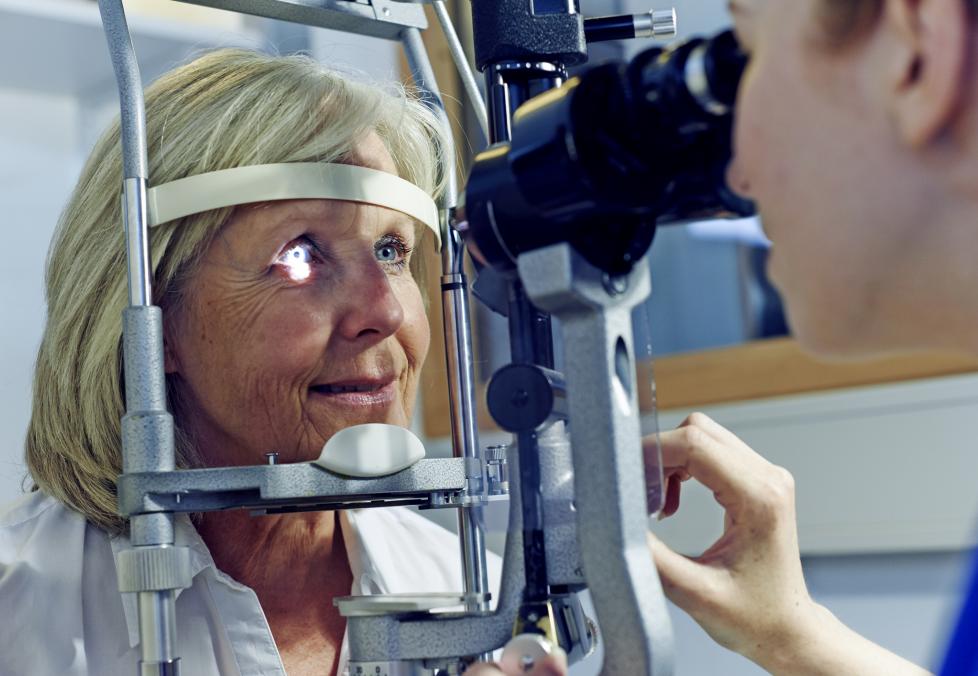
(748, 590)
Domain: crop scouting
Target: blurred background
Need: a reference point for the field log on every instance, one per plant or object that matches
(882, 452)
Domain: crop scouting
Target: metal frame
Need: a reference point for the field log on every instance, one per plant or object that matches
(591, 526)
(610, 490)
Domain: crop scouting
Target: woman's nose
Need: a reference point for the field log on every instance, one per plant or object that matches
(371, 307)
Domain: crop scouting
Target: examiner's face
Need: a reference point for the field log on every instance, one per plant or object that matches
(303, 319)
(837, 192)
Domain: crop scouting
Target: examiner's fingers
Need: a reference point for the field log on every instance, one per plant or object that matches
(714, 429)
(552, 665)
(739, 478)
(673, 489)
(484, 669)
(714, 464)
(681, 576)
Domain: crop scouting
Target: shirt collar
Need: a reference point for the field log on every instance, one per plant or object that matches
(366, 578)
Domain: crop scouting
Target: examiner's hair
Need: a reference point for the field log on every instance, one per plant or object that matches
(843, 20)
(226, 109)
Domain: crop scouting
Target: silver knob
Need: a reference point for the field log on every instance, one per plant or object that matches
(497, 469)
(659, 23)
(523, 652)
(496, 453)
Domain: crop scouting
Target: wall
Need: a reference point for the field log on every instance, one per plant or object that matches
(38, 166)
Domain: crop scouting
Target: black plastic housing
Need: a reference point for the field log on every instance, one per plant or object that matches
(510, 30)
(601, 160)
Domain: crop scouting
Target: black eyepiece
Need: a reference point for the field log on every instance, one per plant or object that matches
(601, 160)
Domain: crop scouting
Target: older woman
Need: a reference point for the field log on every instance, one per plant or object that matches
(285, 321)
(857, 134)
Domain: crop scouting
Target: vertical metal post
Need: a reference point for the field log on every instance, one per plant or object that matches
(509, 85)
(609, 482)
(458, 338)
(462, 65)
(147, 428)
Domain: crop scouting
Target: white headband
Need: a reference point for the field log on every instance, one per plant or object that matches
(289, 181)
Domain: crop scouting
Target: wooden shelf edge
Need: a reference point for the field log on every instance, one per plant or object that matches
(776, 368)
(757, 370)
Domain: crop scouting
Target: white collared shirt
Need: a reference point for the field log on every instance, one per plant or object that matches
(61, 613)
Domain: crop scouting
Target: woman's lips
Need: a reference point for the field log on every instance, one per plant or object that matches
(366, 395)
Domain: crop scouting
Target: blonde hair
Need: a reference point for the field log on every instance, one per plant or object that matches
(226, 109)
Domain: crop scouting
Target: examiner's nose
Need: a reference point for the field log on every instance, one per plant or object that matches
(370, 306)
(737, 179)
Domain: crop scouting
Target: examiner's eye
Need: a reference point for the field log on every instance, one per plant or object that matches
(297, 260)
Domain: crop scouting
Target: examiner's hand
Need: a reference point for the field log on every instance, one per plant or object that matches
(747, 590)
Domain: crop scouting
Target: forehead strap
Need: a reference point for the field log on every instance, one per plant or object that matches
(290, 181)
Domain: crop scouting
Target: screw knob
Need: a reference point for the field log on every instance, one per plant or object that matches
(659, 23)
(665, 23)
(496, 453)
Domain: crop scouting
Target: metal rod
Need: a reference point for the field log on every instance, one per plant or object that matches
(137, 242)
(458, 339)
(133, 111)
(424, 80)
(147, 428)
(135, 166)
(157, 634)
(660, 24)
(465, 72)
(158, 643)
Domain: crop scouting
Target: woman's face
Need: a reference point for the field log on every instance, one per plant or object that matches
(842, 196)
(303, 319)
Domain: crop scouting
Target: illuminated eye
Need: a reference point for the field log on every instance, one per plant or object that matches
(297, 261)
(387, 253)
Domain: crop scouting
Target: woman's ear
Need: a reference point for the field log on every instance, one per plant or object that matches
(932, 44)
(171, 363)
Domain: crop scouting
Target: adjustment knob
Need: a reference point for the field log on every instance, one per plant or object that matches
(659, 23)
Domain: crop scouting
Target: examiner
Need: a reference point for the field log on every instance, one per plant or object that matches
(857, 135)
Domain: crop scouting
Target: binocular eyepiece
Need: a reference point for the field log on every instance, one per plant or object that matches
(603, 159)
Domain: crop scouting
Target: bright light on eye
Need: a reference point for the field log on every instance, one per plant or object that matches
(296, 261)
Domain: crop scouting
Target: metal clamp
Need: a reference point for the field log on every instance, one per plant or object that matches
(143, 569)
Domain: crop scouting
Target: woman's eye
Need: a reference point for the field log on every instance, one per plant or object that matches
(392, 251)
(387, 253)
(297, 260)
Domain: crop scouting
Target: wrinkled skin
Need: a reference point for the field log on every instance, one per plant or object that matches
(291, 300)
(292, 295)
